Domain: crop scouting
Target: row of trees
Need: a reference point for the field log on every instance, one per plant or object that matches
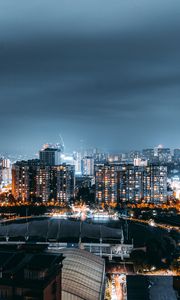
(159, 254)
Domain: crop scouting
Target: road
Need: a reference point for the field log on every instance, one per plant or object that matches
(162, 226)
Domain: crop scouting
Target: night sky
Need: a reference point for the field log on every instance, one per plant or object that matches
(103, 71)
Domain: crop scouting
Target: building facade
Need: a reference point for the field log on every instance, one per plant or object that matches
(5, 172)
(116, 184)
(155, 184)
(32, 181)
(164, 155)
(50, 156)
(148, 154)
(24, 179)
(88, 166)
(177, 155)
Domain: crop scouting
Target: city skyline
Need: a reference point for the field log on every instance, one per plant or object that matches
(104, 72)
(85, 150)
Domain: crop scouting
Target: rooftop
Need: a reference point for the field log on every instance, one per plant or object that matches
(82, 275)
(47, 229)
(14, 263)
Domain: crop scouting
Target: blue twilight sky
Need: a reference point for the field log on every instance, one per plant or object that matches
(106, 72)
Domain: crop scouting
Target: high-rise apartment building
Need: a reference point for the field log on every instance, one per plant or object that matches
(33, 181)
(44, 188)
(133, 183)
(155, 184)
(65, 182)
(24, 179)
(128, 183)
(106, 183)
(118, 183)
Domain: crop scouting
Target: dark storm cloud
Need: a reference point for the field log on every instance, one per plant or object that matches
(118, 79)
(102, 76)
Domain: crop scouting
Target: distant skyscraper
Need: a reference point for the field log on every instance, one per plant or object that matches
(88, 166)
(50, 156)
(78, 163)
(164, 155)
(5, 172)
(116, 158)
(134, 154)
(177, 155)
(148, 154)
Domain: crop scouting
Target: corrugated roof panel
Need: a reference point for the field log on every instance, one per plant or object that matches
(82, 275)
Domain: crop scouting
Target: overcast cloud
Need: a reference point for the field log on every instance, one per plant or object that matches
(104, 71)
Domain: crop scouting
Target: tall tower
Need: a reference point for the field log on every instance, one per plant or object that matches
(50, 156)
